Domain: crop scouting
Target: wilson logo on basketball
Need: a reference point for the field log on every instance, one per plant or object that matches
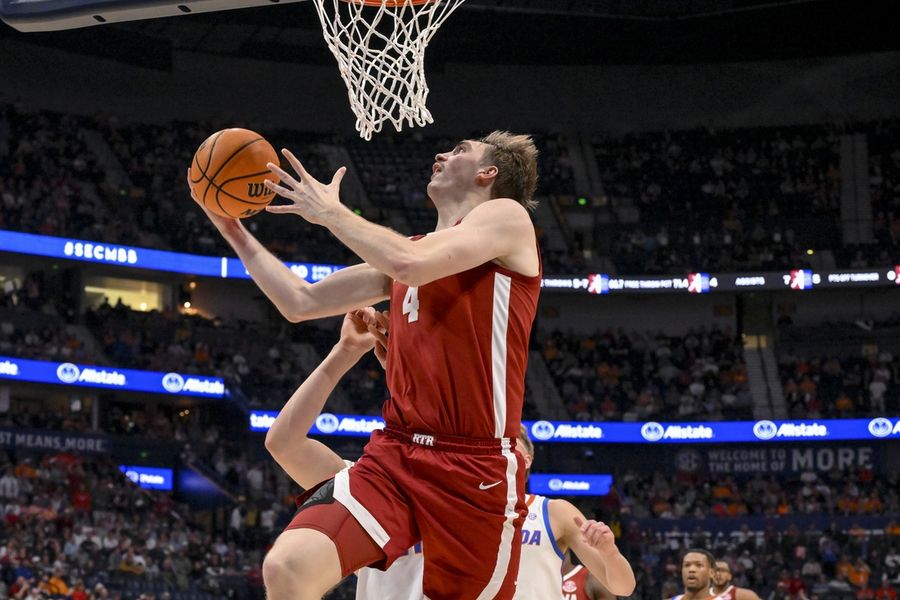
(257, 190)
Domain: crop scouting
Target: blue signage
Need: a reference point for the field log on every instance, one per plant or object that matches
(40, 371)
(650, 432)
(594, 283)
(144, 258)
(149, 478)
(569, 484)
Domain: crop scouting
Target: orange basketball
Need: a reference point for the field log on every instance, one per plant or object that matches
(229, 170)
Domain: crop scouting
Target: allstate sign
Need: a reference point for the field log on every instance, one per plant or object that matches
(68, 373)
(765, 430)
(881, 428)
(173, 382)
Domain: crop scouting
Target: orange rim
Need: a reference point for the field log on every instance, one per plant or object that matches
(390, 3)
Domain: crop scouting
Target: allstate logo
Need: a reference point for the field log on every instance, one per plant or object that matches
(765, 430)
(68, 373)
(555, 485)
(173, 382)
(327, 423)
(652, 431)
(542, 430)
(880, 427)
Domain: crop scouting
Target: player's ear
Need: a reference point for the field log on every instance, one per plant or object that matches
(486, 175)
(528, 460)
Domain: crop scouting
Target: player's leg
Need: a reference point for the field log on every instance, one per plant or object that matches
(302, 564)
(471, 524)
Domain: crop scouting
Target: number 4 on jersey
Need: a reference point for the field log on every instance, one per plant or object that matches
(411, 305)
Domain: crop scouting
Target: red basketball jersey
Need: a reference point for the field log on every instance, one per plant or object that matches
(574, 585)
(458, 351)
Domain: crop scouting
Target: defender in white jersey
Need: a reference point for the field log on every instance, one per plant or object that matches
(551, 529)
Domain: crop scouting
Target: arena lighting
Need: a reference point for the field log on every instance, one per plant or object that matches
(93, 376)
(649, 432)
(593, 283)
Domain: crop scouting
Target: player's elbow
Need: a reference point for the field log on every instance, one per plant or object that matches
(410, 271)
(624, 585)
(278, 444)
(299, 309)
(623, 589)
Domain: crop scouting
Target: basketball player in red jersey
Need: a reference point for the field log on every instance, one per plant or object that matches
(463, 300)
(697, 567)
(721, 585)
(579, 584)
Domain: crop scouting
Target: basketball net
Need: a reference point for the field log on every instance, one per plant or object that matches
(380, 49)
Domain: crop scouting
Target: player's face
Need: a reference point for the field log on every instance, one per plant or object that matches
(457, 169)
(523, 450)
(722, 574)
(695, 572)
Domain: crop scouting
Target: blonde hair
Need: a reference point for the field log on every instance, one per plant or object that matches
(515, 157)
(526, 441)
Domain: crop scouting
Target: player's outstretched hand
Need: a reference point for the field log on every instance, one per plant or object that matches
(378, 323)
(310, 198)
(221, 223)
(598, 535)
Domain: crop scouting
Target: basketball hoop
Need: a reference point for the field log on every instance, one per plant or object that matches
(380, 49)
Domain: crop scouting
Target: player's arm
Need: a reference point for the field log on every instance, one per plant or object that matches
(297, 300)
(493, 230)
(595, 545)
(309, 461)
(596, 591)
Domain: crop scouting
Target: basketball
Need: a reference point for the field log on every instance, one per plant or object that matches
(228, 173)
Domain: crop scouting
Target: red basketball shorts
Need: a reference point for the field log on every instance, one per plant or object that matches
(463, 499)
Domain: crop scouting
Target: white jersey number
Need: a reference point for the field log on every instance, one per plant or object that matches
(411, 305)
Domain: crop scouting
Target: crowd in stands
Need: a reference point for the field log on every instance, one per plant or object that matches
(726, 200)
(839, 492)
(841, 386)
(79, 529)
(884, 185)
(614, 376)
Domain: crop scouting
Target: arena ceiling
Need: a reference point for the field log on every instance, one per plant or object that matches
(526, 32)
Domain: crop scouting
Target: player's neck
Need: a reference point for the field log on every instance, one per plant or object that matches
(453, 208)
(702, 594)
(719, 589)
(450, 211)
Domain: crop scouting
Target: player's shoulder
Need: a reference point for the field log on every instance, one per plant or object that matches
(509, 210)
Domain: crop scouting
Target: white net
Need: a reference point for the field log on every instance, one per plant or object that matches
(380, 49)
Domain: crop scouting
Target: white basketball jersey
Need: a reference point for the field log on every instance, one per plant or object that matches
(540, 576)
(402, 580)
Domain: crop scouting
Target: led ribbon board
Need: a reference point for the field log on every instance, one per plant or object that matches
(92, 376)
(649, 432)
(800, 280)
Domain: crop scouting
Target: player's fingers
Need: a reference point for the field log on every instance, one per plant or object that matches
(283, 175)
(383, 319)
(368, 315)
(579, 522)
(381, 355)
(380, 337)
(295, 162)
(338, 177)
(281, 191)
(280, 209)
